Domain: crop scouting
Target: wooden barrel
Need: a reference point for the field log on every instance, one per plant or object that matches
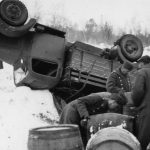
(60, 137)
(100, 121)
(113, 138)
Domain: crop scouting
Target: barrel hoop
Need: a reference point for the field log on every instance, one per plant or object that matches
(70, 127)
(122, 143)
(75, 148)
(50, 137)
(54, 131)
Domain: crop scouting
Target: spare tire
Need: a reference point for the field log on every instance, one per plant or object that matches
(131, 47)
(13, 12)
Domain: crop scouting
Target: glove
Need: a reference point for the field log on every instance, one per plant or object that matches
(120, 98)
(123, 99)
(113, 104)
(84, 122)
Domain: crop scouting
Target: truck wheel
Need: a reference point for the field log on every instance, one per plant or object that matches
(13, 12)
(131, 47)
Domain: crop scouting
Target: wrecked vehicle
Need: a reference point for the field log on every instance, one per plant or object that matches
(43, 59)
(46, 58)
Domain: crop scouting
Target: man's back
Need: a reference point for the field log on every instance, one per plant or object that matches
(141, 99)
(141, 88)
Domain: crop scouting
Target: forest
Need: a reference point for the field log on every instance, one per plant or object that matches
(94, 33)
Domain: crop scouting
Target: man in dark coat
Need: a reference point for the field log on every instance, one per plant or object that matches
(119, 80)
(78, 111)
(141, 98)
(95, 103)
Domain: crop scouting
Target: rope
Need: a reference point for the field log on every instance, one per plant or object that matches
(90, 70)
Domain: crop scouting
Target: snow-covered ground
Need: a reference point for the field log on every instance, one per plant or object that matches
(22, 109)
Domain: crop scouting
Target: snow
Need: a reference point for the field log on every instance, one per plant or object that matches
(22, 109)
(146, 51)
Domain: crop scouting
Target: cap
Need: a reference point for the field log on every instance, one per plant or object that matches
(145, 59)
(128, 65)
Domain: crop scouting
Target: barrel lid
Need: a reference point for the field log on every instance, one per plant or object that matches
(55, 128)
(54, 132)
(115, 134)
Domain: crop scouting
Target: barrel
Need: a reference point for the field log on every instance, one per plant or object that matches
(113, 138)
(59, 137)
(104, 120)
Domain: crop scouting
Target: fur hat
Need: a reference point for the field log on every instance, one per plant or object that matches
(128, 65)
(145, 59)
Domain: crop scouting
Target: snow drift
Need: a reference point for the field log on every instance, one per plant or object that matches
(22, 109)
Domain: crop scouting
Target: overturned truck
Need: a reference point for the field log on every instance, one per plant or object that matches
(43, 59)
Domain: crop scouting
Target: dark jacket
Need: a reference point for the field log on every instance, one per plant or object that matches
(82, 108)
(141, 99)
(91, 105)
(118, 82)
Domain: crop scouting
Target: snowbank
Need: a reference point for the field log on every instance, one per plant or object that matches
(22, 109)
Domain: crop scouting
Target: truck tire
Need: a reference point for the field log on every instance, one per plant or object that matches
(13, 12)
(131, 47)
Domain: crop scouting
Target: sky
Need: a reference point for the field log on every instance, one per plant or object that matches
(126, 14)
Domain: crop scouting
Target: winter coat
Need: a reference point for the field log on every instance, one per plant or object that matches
(141, 99)
(82, 108)
(118, 82)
